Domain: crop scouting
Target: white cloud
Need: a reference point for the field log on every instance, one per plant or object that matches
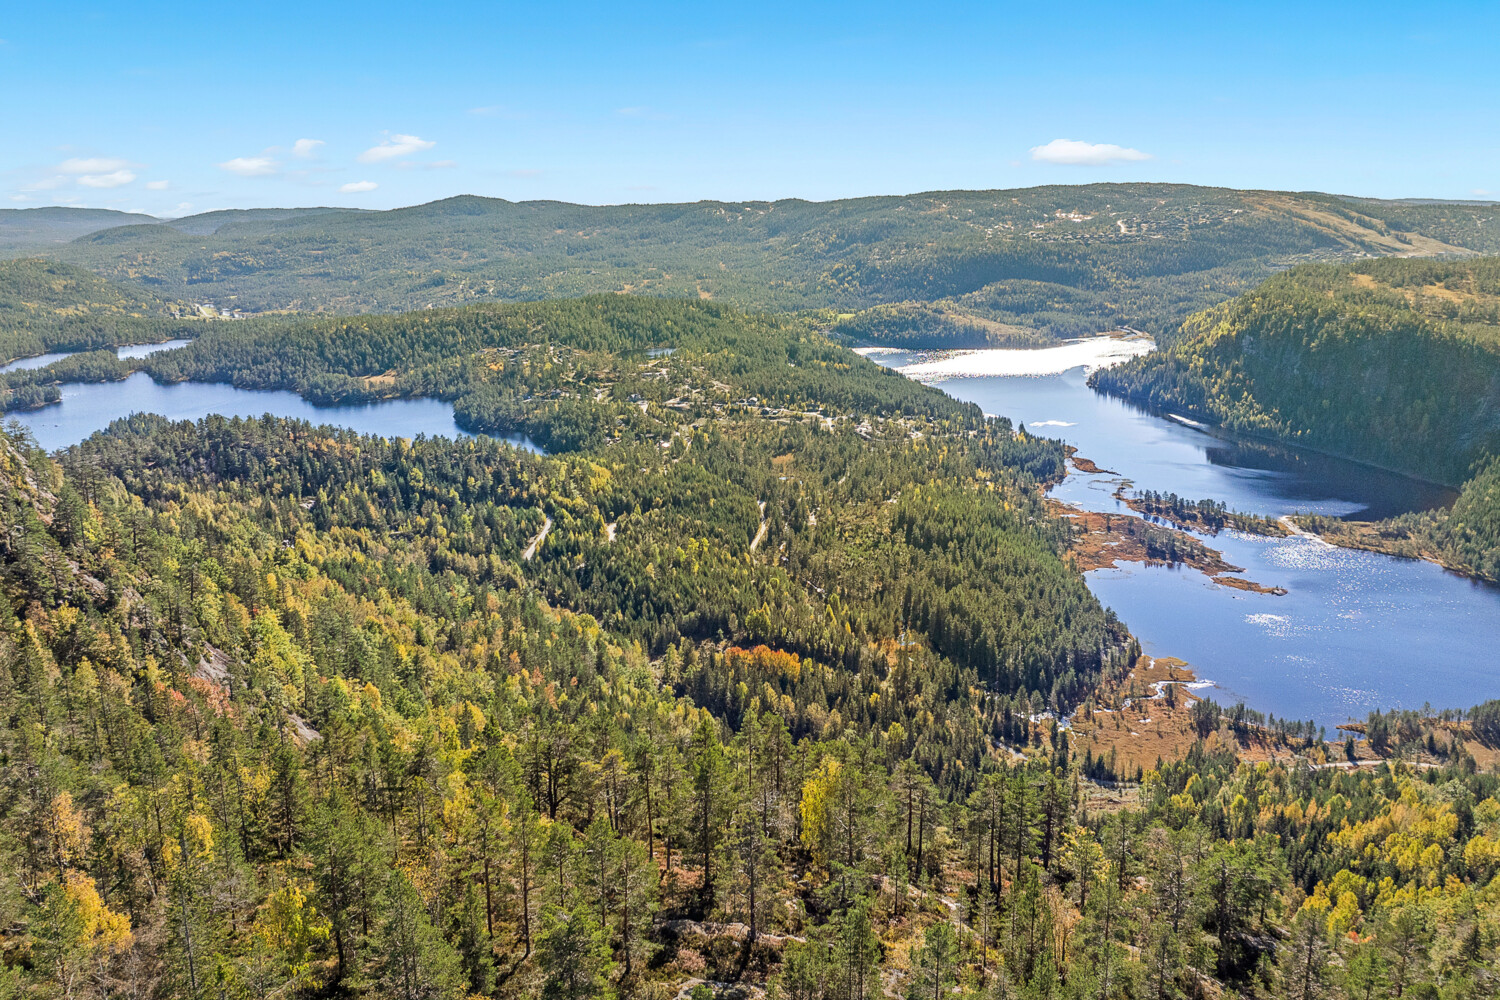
(92, 165)
(441, 165)
(395, 147)
(20, 197)
(304, 148)
(358, 187)
(113, 179)
(250, 166)
(1088, 154)
(1482, 192)
(46, 183)
(158, 185)
(183, 208)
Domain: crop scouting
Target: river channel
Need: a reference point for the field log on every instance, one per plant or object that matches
(1355, 631)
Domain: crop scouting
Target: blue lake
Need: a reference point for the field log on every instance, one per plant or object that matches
(1356, 630)
(87, 408)
(128, 351)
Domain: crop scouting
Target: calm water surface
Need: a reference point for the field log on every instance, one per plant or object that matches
(36, 361)
(1356, 631)
(127, 351)
(88, 408)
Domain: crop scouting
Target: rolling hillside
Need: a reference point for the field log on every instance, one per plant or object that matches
(1004, 264)
(47, 305)
(25, 230)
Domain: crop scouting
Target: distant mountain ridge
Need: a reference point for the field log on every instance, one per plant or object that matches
(35, 229)
(28, 229)
(1045, 261)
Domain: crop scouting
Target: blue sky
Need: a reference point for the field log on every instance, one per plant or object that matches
(173, 108)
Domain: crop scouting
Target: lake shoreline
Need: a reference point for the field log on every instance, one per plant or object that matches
(1207, 424)
(1366, 536)
(1304, 654)
(1106, 540)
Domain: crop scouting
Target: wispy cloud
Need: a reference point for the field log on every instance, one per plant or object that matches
(441, 165)
(1072, 152)
(305, 148)
(113, 179)
(358, 187)
(46, 183)
(395, 147)
(92, 165)
(158, 185)
(524, 172)
(250, 166)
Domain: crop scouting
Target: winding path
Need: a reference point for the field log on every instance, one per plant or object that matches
(541, 536)
(760, 534)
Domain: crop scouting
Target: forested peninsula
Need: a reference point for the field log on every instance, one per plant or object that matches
(1394, 362)
(755, 683)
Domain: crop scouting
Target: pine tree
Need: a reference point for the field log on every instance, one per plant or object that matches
(636, 898)
(934, 967)
(574, 955)
(711, 804)
(1303, 967)
(475, 949)
(417, 964)
(856, 953)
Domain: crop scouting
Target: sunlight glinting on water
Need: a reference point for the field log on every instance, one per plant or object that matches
(1323, 651)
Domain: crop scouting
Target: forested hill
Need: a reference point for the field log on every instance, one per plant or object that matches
(867, 487)
(26, 230)
(288, 711)
(1004, 264)
(1391, 361)
(46, 305)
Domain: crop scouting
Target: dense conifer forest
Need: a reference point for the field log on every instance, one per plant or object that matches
(1395, 362)
(1002, 265)
(748, 687)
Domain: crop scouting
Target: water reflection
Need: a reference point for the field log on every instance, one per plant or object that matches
(126, 351)
(88, 408)
(1356, 630)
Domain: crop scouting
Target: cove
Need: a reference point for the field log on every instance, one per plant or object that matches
(1355, 632)
(87, 408)
(126, 351)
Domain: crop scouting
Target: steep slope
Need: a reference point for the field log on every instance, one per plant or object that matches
(1395, 362)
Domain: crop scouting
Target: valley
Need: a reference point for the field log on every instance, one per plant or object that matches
(657, 644)
(749, 502)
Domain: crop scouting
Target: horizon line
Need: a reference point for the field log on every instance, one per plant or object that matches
(751, 201)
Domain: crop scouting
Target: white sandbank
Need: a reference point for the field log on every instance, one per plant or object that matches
(1090, 353)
